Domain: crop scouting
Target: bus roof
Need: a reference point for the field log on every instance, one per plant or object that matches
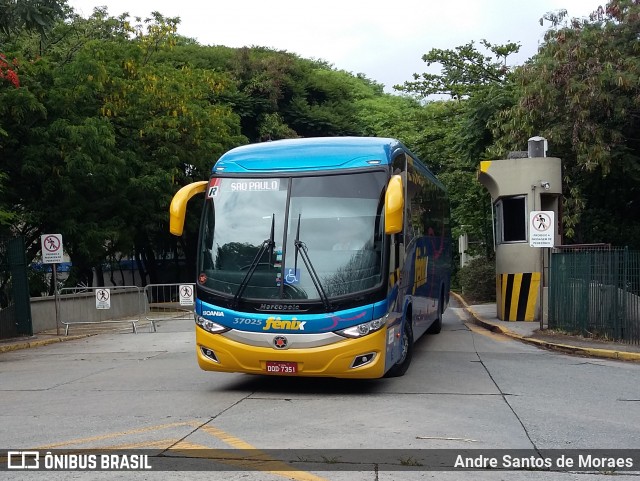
(318, 153)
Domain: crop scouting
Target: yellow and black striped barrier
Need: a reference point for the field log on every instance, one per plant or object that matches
(517, 296)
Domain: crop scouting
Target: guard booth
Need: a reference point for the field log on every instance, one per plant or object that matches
(521, 186)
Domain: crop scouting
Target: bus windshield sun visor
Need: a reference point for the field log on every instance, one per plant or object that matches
(301, 248)
(268, 244)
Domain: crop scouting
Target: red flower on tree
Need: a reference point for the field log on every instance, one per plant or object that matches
(8, 72)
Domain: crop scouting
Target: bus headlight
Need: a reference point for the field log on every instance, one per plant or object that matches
(210, 326)
(363, 329)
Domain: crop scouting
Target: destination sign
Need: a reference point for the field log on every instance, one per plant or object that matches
(254, 185)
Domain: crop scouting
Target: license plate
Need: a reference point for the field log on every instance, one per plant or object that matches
(282, 367)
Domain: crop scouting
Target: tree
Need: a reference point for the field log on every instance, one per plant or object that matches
(9, 82)
(105, 136)
(456, 133)
(464, 70)
(33, 15)
(581, 92)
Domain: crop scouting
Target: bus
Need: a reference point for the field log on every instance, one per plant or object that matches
(318, 257)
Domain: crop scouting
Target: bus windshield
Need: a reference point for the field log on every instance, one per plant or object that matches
(254, 230)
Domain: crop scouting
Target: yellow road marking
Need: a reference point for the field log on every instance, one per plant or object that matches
(267, 464)
(226, 437)
(259, 461)
(116, 435)
(162, 444)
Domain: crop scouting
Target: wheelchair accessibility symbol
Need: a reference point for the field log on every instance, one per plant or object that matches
(292, 276)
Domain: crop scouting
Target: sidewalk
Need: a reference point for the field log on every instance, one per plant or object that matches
(49, 337)
(37, 340)
(485, 315)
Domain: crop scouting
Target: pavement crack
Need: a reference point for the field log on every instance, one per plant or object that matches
(205, 423)
(504, 397)
(71, 381)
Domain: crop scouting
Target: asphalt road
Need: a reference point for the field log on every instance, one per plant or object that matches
(467, 389)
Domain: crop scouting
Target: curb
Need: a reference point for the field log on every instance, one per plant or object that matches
(40, 342)
(566, 348)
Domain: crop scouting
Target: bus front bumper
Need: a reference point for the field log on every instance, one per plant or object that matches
(362, 358)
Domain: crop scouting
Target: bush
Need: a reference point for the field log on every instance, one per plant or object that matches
(478, 280)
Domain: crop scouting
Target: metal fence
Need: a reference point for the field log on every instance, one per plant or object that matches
(99, 305)
(125, 304)
(15, 307)
(595, 292)
(168, 301)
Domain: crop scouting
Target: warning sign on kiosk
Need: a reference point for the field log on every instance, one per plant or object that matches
(51, 248)
(541, 228)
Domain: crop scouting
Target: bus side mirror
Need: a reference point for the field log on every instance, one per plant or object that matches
(394, 206)
(178, 207)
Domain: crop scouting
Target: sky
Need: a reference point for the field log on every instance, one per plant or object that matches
(384, 40)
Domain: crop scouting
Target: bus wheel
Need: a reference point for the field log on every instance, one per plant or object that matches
(436, 327)
(403, 363)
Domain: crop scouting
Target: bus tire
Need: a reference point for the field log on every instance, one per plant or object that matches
(403, 363)
(436, 327)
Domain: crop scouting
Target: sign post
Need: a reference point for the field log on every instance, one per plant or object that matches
(52, 253)
(542, 234)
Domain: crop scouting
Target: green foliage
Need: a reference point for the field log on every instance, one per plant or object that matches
(107, 136)
(113, 115)
(581, 91)
(464, 70)
(38, 283)
(390, 116)
(36, 15)
(456, 133)
(478, 280)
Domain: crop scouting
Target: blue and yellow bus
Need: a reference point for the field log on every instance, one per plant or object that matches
(318, 257)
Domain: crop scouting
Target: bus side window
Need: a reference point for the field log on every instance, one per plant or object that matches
(434, 210)
(414, 190)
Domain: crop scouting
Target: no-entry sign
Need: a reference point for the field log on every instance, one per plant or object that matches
(186, 295)
(51, 246)
(541, 228)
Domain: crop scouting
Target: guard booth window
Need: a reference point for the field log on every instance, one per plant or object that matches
(511, 219)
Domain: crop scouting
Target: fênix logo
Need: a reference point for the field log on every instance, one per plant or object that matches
(279, 324)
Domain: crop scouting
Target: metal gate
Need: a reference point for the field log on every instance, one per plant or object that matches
(15, 306)
(100, 305)
(596, 292)
(169, 302)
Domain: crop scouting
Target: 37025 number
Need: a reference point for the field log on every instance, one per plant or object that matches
(247, 321)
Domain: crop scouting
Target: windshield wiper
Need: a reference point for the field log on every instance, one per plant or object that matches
(267, 244)
(301, 248)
